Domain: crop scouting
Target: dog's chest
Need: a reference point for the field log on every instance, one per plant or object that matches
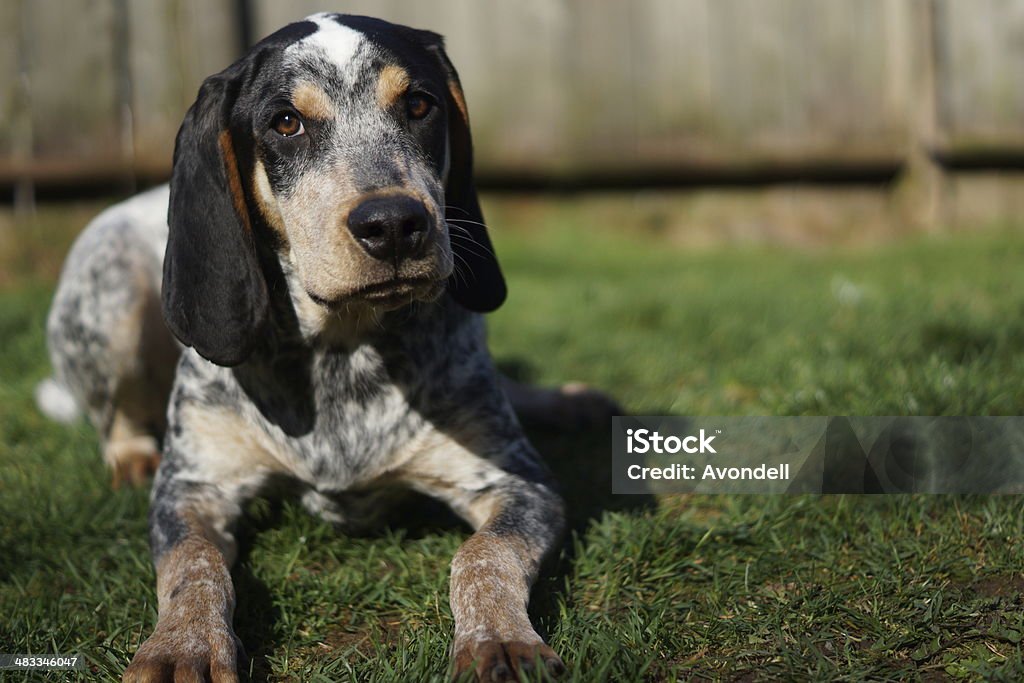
(341, 419)
(336, 420)
(368, 407)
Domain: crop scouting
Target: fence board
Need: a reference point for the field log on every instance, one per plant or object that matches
(175, 44)
(556, 88)
(982, 77)
(72, 80)
(562, 86)
(10, 100)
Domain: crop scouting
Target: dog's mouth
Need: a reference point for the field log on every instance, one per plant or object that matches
(387, 295)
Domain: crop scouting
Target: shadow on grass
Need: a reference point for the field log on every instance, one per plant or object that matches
(254, 621)
(961, 340)
(581, 461)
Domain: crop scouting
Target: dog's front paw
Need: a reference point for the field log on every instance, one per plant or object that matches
(187, 650)
(496, 660)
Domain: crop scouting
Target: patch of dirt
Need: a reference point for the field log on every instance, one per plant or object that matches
(1002, 587)
(346, 636)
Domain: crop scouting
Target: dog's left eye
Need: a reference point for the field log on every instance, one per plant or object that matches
(418, 105)
(288, 124)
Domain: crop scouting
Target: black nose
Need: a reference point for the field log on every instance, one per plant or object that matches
(390, 227)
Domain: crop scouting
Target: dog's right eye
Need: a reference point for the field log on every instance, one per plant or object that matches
(288, 124)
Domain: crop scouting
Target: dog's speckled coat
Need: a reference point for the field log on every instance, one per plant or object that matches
(309, 364)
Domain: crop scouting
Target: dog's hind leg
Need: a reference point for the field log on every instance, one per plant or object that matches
(110, 348)
(131, 446)
(569, 406)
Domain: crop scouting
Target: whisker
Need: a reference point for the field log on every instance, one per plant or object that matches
(468, 237)
(457, 208)
(463, 232)
(458, 273)
(466, 240)
(466, 220)
(470, 250)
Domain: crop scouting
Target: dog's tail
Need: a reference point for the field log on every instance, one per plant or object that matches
(56, 402)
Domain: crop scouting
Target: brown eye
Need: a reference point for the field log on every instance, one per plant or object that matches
(288, 124)
(418, 106)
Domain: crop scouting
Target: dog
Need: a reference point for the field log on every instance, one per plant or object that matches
(300, 311)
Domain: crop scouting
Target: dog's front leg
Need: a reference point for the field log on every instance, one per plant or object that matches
(492, 574)
(519, 519)
(192, 550)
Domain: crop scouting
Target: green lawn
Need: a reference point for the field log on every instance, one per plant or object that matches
(709, 587)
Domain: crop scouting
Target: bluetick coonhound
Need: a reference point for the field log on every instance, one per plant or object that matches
(323, 263)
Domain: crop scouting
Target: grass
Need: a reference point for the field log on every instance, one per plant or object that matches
(699, 587)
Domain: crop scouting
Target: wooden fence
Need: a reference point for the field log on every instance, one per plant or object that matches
(592, 90)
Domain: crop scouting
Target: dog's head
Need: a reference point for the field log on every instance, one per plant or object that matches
(344, 143)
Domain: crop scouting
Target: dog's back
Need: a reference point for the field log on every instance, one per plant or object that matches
(113, 357)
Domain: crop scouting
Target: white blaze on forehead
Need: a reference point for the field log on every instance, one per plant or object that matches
(334, 41)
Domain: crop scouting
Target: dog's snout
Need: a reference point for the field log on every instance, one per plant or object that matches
(390, 227)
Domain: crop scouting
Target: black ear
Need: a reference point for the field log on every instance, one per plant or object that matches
(214, 294)
(477, 283)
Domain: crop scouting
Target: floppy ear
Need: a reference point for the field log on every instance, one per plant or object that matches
(214, 294)
(478, 283)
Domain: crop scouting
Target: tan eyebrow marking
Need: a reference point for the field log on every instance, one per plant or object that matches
(312, 102)
(391, 85)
